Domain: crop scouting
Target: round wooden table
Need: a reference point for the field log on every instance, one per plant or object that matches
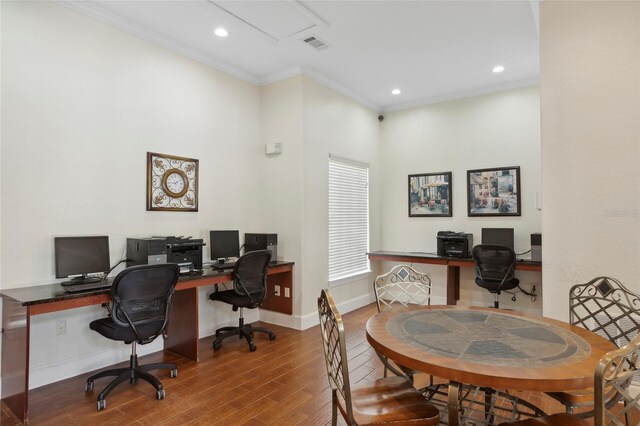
(496, 348)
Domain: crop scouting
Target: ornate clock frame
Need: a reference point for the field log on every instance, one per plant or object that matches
(159, 196)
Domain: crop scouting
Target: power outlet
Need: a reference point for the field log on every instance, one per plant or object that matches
(276, 290)
(61, 327)
(287, 292)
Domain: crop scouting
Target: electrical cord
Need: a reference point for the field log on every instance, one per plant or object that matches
(524, 252)
(114, 267)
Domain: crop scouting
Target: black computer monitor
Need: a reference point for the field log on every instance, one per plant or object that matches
(224, 244)
(498, 236)
(77, 257)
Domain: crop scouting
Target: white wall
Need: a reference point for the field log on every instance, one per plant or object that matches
(281, 122)
(494, 130)
(82, 103)
(590, 99)
(333, 124)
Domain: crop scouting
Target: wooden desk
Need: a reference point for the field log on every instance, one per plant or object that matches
(496, 348)
(453, 266)
(20, 304)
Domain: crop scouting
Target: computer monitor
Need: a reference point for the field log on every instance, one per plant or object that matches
(498, 236)
(224, 244)
(77, 257)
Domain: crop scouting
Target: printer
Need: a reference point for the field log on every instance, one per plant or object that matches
(185, 251)
(454, 244)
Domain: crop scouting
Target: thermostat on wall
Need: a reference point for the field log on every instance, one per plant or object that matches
(273, 148)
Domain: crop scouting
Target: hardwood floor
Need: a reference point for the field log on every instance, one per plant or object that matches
(283, 383)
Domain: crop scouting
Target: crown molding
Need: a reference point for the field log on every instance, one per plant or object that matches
(327, 82)
(464, 94)
(91, 10)
(281, 75)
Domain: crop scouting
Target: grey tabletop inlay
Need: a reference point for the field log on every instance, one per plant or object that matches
(488, 338)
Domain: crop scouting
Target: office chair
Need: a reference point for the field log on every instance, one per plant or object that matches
(606, 307)
(495, 266)
(613, 375)
(140, 308)
(249, 290)
(391, 400)
(401, 286)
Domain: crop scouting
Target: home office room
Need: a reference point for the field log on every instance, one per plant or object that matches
(372, 143)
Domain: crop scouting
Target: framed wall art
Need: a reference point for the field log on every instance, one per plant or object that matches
(494, 192)
(172, 183)
(430, 195)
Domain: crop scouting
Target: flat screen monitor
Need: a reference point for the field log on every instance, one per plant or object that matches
(78, 257)
(498, 236)
(224, 244)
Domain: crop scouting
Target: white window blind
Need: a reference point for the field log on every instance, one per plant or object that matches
(348, 218)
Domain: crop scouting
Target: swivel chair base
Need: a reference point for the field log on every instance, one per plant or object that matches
(242, 331)
(132, 373)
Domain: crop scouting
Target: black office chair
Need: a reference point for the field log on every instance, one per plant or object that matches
(495, 267)
(140, 308)
(249, 290)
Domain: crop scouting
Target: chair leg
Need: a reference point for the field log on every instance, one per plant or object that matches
(272, 335)
(218, 340)
(334, 408)
(106, 373)
(111, 386)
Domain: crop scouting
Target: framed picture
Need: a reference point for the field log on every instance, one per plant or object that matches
(430, 195)
(172, 183)
(493, 192)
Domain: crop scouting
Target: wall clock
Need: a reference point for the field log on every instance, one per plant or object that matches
(172, 183)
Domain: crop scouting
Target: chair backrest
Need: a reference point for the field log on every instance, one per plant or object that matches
(250, 275)
(493, 262)
(402, 285)
(606, 307)
(335, 350)
(141, 296)
(613, 374)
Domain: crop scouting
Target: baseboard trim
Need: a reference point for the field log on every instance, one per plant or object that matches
(64, 369)
(60, 370)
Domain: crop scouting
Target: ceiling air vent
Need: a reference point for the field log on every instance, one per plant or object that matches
(316, 43)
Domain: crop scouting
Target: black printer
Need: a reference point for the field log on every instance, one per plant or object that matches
(454, 244)
(181, 250)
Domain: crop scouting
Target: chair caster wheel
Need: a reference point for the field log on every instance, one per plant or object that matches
(102, 404)
(253, 347)
(272, 336)
(160, 394)
(88, 386)
(174, 372)
(216, 346)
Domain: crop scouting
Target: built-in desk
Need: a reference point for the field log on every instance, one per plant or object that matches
(453, 265)
(20, 304)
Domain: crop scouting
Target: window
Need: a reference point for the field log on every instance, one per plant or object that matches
(348, 218)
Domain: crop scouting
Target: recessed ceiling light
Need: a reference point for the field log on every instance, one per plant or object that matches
(221, 32)
(498, 68)
(396, 91)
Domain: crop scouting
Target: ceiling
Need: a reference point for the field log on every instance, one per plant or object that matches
(431, 50)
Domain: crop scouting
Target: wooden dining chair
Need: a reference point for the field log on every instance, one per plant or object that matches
(605, 307)
(383, 401)
(401, 286)
(614, 372)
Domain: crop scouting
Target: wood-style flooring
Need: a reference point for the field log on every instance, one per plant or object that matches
(283, 383)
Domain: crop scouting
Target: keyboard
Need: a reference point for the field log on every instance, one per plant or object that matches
(76, 288)
(229, 265)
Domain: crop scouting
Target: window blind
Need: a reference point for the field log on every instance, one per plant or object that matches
(348, 218)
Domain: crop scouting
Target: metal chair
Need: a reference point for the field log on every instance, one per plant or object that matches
(401, 286)
(605, 307)
(388, 400)
(495, 268)
(613, 375)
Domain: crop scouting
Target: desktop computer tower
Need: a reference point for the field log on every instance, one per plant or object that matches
(253, 242)
(536, 247)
